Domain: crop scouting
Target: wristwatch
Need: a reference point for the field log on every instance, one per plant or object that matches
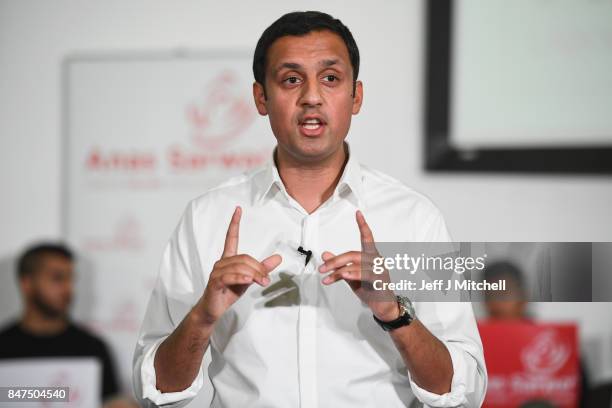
(406, 315)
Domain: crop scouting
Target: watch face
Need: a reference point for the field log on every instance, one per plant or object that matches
(406, 304)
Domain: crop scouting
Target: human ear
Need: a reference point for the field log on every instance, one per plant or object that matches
(259, 96)
(26, 284)
(357, 97)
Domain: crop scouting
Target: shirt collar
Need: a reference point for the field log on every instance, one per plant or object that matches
(351, 180)
(265, 179)
(268, 179)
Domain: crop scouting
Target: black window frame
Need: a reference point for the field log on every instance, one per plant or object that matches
(440, 155)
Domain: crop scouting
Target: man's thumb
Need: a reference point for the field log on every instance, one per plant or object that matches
(272, 262)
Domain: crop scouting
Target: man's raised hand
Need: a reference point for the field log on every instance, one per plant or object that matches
(349, 267)
(233, 273)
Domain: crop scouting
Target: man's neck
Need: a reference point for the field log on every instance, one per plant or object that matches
(311, 184)
(35, 322)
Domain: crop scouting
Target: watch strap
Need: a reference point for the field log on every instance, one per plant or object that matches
(404, 319)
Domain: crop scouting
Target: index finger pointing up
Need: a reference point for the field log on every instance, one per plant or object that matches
(364, 228)
(231, 239)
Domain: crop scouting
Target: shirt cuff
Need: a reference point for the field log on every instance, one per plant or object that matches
(149, 383)
(456, 396)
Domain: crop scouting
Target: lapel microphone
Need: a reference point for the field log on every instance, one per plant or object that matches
(308, 254)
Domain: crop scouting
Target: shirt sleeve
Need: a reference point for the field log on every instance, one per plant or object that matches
(179, 285)
(454, 324)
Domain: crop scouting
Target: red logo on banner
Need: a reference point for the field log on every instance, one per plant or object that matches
(530, 362)
(222, 113)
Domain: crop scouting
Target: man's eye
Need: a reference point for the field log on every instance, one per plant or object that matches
(330, 78)
(292, 80)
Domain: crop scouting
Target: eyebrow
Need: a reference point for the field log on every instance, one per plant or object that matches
(288, 65)
(329, 62)
(293, 65)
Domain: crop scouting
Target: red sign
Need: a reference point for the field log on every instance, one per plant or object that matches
(530, 362)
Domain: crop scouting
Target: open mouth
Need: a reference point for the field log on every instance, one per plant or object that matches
(312, 124)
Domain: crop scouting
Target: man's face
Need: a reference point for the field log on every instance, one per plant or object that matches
(49, 288)
(309, 88)
(506, 309)
(507, 305)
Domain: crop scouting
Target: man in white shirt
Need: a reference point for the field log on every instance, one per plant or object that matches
(276, 295)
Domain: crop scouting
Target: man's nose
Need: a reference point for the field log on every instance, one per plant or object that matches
(311, 94)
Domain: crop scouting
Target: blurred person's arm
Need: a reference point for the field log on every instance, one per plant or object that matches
(110, 386)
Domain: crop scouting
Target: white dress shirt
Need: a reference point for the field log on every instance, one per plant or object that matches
(299, 343)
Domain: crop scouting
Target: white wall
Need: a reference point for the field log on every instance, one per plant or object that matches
(36, 35)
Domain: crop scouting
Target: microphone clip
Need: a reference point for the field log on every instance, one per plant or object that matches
(308, 254)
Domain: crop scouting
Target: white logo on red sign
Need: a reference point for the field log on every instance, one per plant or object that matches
(546, 354)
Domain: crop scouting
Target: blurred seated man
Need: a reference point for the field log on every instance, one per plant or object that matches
(45, 274)
(512, 305)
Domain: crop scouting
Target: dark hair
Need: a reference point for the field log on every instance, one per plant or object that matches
(300, 23)
(29, 261)
(504, 269)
